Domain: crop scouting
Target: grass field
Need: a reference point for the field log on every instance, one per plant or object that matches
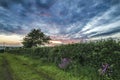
(16, 67)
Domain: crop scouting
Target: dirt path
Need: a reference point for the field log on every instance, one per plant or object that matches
(41, 73)
(6, 69)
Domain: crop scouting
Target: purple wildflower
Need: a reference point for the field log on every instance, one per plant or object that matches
(104, 68)
(64, 63)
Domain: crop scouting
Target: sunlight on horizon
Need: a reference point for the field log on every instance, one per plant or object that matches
(11, 39)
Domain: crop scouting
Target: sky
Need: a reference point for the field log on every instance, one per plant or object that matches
(68, 19)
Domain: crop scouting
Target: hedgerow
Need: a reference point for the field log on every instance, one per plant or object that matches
(95, 54)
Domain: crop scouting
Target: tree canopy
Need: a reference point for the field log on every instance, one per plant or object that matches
(35, 38)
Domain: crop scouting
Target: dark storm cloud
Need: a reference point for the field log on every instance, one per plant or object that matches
(110, 32)
(9, 29)
(70, 18)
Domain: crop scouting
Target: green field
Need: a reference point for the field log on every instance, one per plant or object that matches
(83, 61)
(14, 67)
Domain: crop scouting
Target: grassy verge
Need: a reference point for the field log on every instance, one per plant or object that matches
(28, 69)
(21, 71)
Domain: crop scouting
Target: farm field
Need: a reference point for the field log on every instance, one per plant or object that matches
(16, 67)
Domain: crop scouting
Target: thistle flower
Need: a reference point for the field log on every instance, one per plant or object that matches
(64, 63)
(104, 69)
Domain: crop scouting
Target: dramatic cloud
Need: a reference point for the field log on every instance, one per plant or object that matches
(68, 18)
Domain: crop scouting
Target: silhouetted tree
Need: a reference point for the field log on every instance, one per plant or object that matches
(35, 38)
